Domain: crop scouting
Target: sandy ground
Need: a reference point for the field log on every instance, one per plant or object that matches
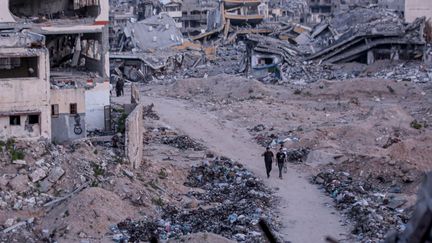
(303, 208)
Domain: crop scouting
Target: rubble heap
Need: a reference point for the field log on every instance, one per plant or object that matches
(241, 200)
(182, 142)
(373, 211)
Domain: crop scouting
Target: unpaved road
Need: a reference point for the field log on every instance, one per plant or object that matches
(302, 208)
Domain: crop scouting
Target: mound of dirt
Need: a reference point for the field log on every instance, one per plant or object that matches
(87, 215)
(221, 87)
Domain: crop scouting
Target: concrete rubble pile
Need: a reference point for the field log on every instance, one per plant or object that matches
(40, 176)
(230, 203)
(374, 211)
(372, 32)
(182, 142)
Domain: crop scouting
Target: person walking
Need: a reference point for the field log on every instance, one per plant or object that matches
(281, 159)
(285, 151)
(268, 160)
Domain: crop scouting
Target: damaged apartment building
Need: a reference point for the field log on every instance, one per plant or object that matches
(75, 67)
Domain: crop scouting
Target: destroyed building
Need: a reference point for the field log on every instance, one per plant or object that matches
(296, 11)
(78, 72)
(199, 16)
(174, 10)
(375, 34)
(246, 12)
(146, 48)
(321, 9)
(24, 83)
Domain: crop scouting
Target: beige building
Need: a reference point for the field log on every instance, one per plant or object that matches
(75, 55)
(24, 86)
(418, 8)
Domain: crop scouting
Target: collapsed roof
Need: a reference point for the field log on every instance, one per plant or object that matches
(157, 32)
(334, 41)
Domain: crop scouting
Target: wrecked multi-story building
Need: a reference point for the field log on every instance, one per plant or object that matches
(24, 83)
(295, 10)
(321, 9)
(77, 42)
(243, 12)
(397, 6)
(199, 16)
(174, 10)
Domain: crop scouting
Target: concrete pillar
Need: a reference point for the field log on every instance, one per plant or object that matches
(370, 57)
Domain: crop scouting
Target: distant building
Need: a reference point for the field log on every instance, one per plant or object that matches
(173, 9)
(417, 8)
(321, 9)
(245, 11)
(198, 16)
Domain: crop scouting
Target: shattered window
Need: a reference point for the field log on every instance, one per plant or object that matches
(15, 120)
(18, 67)
(73, 109)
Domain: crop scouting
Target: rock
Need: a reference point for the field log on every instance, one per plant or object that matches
(55, 174)
(128, 173)
(45, 186)
(19, 162)
(3, 182)
(19, 184)
(240, 237)
(38, 175)
(9, 222)
(40, 162)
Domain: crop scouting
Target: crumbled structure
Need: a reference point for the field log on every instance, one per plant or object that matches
(24, 85)
(119, 17)
(173, 9)
(321, 9)
(297, 11)
(395, 5)
(199, 16)
(245, 12)
(147, 48)
(374, 34)
(77, 41)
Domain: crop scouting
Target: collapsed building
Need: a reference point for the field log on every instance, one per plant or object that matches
(199, 16)
(146, 49)
(76, 38)
(376, 34)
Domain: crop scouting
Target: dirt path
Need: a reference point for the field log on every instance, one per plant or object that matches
(302, 208)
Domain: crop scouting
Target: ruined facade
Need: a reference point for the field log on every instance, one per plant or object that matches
(197, 16)
(173, 9)
(24, 84)
(321, 9)
(245, 12)
(78, 66)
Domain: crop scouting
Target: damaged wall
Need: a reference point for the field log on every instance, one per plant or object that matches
(96, 99)
(64, 124)
(134, 136)
(24, 101)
